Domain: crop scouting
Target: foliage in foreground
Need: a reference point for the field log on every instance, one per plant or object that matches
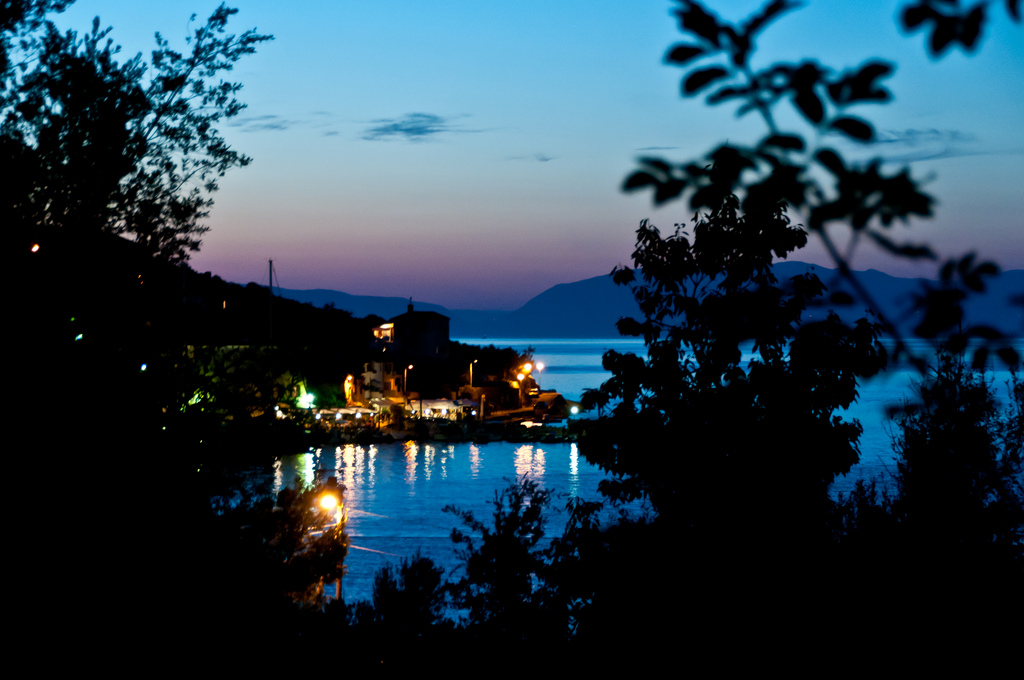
(960, 476)
(259, 564)
(693, 424)
(125, 148)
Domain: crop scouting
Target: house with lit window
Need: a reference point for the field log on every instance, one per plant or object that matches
(414, 336)
(409, 349)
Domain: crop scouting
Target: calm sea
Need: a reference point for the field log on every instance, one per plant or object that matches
(395, 492)
(570, 366)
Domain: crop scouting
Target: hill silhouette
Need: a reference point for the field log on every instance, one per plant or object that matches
(590, 308)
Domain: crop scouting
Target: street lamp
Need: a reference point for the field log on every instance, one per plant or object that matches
(471, 372)
(405, 383)
(330, 497)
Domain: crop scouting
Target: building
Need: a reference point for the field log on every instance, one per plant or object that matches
(412, 347)
(414, 336)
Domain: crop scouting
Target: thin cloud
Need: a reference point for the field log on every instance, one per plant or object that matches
(659, 148)
(260, 123)
(539, 157)
(273, 122)
(414, 127)
(925, 144)
(919, 137)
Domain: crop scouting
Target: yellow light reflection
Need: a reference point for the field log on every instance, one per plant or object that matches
(411, 451)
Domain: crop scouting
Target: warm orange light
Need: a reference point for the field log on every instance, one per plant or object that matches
(328, 501)
(35, 248)
(520, 376)
(527, 367)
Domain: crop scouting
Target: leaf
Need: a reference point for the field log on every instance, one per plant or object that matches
(638, 180)
(666, 191)
(656, 163)
(873, 70)
(700, 79)
(915, 15)
(973, 282)
(862, 85)
(970, 29)
(1009, 356)
(905, 250)
(965, 264)
(792, 142)
(725, 93)
(943, 33)
(984, 332)
(628, 326)
(809, 104)
(831, 160)
(740, 46)
(987, 269)
(682, 54)
(695, 20)
(772, 10)
(623, 276)
(854, 128)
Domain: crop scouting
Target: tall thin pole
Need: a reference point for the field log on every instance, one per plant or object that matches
(270, 314)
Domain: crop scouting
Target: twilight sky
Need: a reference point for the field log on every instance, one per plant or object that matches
(471, 153)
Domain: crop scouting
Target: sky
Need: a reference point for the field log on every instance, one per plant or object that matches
(471, 154)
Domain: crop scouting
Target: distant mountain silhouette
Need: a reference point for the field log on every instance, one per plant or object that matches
(590, 308)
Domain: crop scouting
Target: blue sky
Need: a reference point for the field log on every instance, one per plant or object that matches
(471, 153)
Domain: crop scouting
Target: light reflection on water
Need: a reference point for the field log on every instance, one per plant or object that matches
(395, 493)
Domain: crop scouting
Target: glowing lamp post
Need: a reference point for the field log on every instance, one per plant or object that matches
(330, 497)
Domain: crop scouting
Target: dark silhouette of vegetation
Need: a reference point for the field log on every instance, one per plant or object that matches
(731, 459)
(738, 544)
(735, 456)
(959, 494)
(783, 166)
(124, 148)
(703, 297)
(265, 561)
(944, 544)
(502, 588)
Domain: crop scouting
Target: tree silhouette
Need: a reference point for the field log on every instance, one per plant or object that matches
(812, 179)
(124, 148)
(502, 588)
(692, 425)
(960, 479)
(277, 554)
(735, 453)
